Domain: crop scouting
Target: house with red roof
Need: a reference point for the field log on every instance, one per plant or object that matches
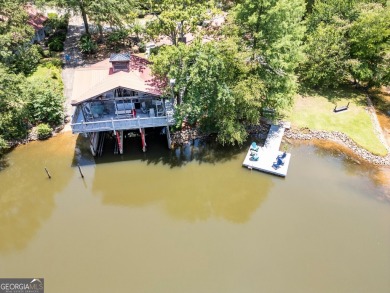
(116, 96)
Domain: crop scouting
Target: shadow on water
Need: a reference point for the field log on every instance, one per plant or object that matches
(199, 150)
(194, 182)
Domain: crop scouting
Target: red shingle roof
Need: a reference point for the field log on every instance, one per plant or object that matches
(35, 18)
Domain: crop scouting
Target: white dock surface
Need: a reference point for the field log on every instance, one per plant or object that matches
(269, 153)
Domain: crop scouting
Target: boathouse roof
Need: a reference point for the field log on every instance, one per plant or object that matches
(99, 78)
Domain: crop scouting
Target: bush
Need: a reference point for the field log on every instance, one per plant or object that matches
(52, 62)
(87, 44)
(26, 59)
(117, 38)
(45, 101)
(43, 131)
(46, 53)
(56, 44)
(3, 145)
(142, 47)
(54, 23)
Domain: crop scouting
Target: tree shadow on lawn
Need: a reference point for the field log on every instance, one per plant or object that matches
(339, 95)
(381, 99)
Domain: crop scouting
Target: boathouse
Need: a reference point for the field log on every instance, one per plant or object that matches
(115, 95)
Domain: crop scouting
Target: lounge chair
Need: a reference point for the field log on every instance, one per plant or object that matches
(87, 112)
(143, 108)
(254, 158)
(254, 147)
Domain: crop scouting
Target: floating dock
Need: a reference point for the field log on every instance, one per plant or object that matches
(269, 153)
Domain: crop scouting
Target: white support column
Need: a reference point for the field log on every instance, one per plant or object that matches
(121, 142)
(93, 144)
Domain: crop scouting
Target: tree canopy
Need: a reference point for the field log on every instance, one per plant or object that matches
(175, 18)
(347, 40)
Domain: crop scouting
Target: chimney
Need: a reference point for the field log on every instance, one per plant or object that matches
(120, 62)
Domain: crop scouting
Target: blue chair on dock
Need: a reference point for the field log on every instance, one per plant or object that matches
(254, 147)
(279, 162)
(255, 157)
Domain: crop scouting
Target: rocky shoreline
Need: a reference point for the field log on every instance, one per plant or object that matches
(187, 134)
(341, 138)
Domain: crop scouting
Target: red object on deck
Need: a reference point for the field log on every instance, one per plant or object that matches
(134, 113)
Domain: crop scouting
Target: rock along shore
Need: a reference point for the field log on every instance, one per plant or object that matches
(339, 137)
(188, 133)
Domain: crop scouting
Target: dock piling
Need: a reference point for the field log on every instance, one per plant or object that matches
(47, 172)
(81, 173)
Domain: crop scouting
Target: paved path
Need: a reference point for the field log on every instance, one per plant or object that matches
(73, 58)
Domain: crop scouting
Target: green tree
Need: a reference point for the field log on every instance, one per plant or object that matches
(370, 45)
(13, 123)
(273, 31)
(208, 83)
(114, 12)
(175, 18)
(25, 59)
(45, 101)
(14, 31)
(348, 39)
(16, 51)
(327, 55)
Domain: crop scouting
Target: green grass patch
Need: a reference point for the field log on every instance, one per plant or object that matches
(315, 111)
(48, 72)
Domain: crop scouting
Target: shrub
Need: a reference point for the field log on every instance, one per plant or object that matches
(87, 44)
(54, 23)
(45, 101)
(52, 62)
(3, 145)
(43, 131)
(117, 38)
(142, 47)
(56, 44)
(46, 53)
(26, 59)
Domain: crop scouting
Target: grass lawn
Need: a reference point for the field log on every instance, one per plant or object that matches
(315, 111)
(47, 73)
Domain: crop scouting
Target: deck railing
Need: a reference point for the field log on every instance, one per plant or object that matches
(121, 124)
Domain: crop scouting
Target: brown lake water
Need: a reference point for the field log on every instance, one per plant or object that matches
(192, 220)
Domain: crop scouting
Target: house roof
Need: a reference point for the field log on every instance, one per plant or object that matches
(35, 18)
(120, 57)
(97, 79)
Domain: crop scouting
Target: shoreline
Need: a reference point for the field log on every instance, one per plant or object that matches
(307, 134)
(187, 134)
(304, 134)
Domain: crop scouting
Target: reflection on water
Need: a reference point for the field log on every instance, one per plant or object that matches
(192, 220)
(191, 193)
(27, 195)
(379, 176)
